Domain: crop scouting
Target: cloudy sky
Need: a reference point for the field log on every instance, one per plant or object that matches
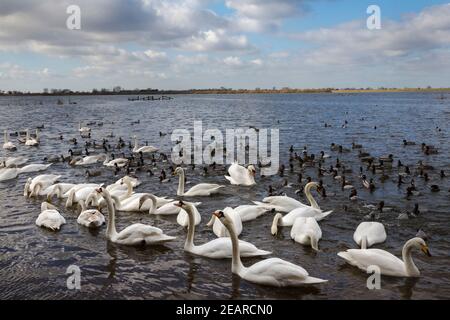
(184, 44)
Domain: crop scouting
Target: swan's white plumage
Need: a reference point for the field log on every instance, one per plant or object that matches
(306, 231)
(239, 175)
(369, 233)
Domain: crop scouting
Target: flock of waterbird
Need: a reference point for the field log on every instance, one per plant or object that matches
(226, 224)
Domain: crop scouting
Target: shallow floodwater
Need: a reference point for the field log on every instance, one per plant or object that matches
(33, 261)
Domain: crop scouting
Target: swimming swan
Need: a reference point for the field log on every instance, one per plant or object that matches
(132, 235)
(49, 217)
(8, 145)
(240, 175)
(90, 218)
(306, 231)
(219, 248)
(32, 142)
(305, 211)
(220, 230)
(284, 203)
(144, 149)
(271, 272)
(389, 264)
(34, 168)
(369, 233)
(202, 189)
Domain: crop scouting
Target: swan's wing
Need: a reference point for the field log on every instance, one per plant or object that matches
(168, 209)
(138, 233)
(236, 171)
(203, 188)
(221, 248)
(363, 258)
(279, 272)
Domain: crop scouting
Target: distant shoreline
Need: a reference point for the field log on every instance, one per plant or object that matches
(222, 91)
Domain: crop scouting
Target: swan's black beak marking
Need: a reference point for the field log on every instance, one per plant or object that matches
(219, 214)
(179, 204)
(426, 250)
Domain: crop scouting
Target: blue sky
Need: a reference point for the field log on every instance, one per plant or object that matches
(184, 44)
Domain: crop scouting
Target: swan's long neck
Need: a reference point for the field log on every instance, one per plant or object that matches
(410, 267)
(37, 135)
(69, 201)
(82, 205)
(28, 135)
(276, 219)
(154, 201)
(189, 243)
(135, 143)
(236, 263)
(37, 188)
(364, 242)
(180, 191)
(129, 190)
(310, 198)
(111, 228)
(314, 241)
(27, 187)
(6, 137)
(92, 199)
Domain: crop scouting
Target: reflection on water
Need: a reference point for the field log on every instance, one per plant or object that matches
(33, 261)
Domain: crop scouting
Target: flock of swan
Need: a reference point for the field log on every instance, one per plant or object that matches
(226, 224)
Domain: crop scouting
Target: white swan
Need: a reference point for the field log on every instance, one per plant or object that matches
(144, 149)
(220, 230)
(240, 175)
(306, 211)
(134, 181)
(90, 218)
(183, 217)
(80, 186)
(369, 233)
(8, 174)
(136, 203)
(202, 189)
(76, 195)
(34, 168)
(272, 272)
(389, 264)
(32, 142)
(89, 160)
(45, 179)
(120, 162)
(132, 235)
(284, 203)
(306, 231)
(49, 217)
(8, 145)
(219, 248)
(59, 189)
(251, 212)
(171, 208)
(13, 162)
(83, 129)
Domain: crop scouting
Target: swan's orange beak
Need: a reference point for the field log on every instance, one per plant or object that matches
(425, 250)
(99, 190)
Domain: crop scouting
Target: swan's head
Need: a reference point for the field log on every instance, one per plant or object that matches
(419, 243)
(312, 185)
(222, 217)
(178, 171)
(252, 170)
